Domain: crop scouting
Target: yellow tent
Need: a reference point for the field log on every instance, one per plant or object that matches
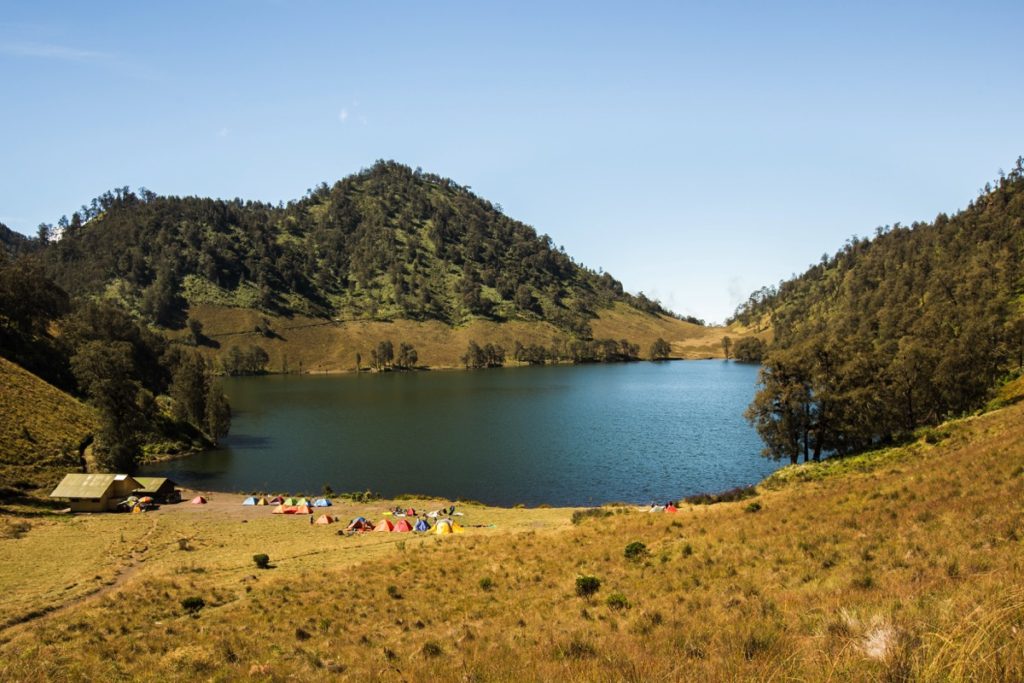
(457, 528)
(262, 500)
(443, 528)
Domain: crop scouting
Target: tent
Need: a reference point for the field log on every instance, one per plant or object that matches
(671, 508)
(262, 500)
(325, 519)
(276, 500)
(384, 525)
(199, 500)
(411, 512)
(249, 501)
(291, 501)
(279, 510)
(290, 509)
(359, 524)
(322, 503)
(422, 525)
(457, 528)
(303, 510)
(402, 525)
(443, 527)
(302, 501)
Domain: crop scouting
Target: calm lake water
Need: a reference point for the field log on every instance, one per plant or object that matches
(562, 435)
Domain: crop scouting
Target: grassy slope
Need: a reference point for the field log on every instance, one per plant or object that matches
(331, 346)
(895, 565)
(41, 428)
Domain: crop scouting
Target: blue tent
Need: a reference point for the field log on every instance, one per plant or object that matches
(321, 503)
(421, 526)
(249, 501)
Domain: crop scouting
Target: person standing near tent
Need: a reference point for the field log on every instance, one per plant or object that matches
(311, 520)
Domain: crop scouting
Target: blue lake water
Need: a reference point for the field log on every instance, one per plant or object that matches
(564, 435)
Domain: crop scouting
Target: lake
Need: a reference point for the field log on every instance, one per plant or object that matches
(563, 435)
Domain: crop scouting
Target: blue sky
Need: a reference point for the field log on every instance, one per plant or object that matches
(697, 151)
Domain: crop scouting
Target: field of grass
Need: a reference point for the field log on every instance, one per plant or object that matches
(900, 565)
(41, 429)
(316, 345)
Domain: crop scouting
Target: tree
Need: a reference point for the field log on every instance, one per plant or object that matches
(104, 371)
(726, 346)
(218, 412)
(474, 357)
(407, 356)
(382, 357)
(660, 349)
(749, 350)
(195, 329)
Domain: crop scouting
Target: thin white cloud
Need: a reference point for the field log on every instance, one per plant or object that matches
(343, 115)
(51, 51)
(223, 132)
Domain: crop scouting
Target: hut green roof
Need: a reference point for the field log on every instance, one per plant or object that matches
(78, 485)
(151, 485)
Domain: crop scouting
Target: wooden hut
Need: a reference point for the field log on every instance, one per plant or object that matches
(161, 489)
(95, 492)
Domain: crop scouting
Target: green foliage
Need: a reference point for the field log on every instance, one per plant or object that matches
(660, 349)
(248, 360)
(488, 356)
(730, 496)
(193, 604)
(580, 516)
(635, 551)
(586, 586)
(387, 242)
(747, 350)
(617, 601)
(486, 584)
(752, 507)
(893, 333)
(262, 560)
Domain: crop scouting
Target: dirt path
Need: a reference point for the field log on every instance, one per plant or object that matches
(122, 575)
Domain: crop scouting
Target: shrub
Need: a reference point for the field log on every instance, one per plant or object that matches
(635, 550)
(617, 601)
(730, 496)
(193, 604)
(687, 550)
(394, 592)
(752, 507)
(486, 583)
(432, 649)
(262, 560)
(579, 516)
(576, 649)
(586, 586)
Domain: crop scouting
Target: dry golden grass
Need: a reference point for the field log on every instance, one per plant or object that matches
(904, 565)
(315, 345)
(41, 428)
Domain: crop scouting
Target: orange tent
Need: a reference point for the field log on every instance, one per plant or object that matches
(290, 510)
(199, 500)
(303, 510)
(384, 525)
(325, 519)
(279, 510)
(402, 525)
(671, 508)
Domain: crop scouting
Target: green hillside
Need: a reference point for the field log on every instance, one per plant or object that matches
(896, 332)
(41, 431)
(387, 243)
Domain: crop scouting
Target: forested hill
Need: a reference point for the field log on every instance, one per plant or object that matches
(386, 243)
(13, 243)
(895, 332)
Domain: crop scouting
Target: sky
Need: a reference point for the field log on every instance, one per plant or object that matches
(696, 151)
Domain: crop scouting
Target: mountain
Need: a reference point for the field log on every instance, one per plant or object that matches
(897, 332)
(387, 243)
(388, 251)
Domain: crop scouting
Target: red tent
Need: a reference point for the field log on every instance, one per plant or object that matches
(199, 500)
(384, 525)
(671, 508)
(402, 525)
(410, 512)
(291, 510)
